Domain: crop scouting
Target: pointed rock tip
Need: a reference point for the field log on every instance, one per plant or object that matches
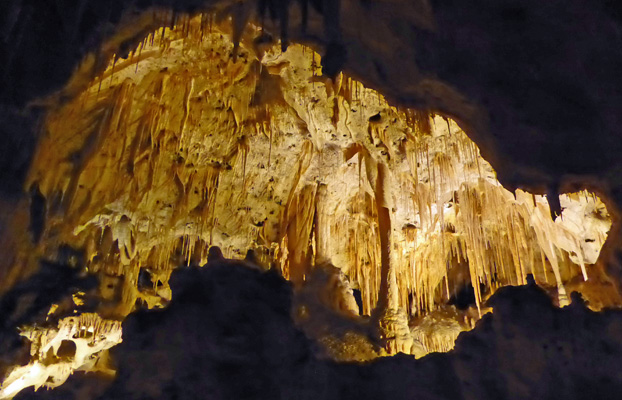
(214, 254)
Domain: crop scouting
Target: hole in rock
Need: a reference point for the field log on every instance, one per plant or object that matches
(67, 349)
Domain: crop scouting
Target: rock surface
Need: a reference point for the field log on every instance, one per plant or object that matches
(229, 335)
(183, 145)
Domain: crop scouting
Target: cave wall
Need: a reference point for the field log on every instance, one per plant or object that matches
(193, 140)
(526, 81)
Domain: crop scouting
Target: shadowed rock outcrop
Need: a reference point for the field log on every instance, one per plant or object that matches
(228, 335)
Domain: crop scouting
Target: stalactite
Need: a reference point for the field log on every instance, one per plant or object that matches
(186, 112)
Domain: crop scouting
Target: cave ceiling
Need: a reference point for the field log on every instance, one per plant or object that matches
(184, 145)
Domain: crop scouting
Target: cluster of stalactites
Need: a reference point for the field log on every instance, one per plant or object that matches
(112, 154)
(155, 167)
(467, 217)
(466, 227)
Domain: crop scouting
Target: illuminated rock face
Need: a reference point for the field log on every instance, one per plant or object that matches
(190, 143)
(182, 146)
(78, 343)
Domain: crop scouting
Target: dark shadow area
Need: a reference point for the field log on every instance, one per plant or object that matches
(358, 297)
(228, 335)
(464, 297)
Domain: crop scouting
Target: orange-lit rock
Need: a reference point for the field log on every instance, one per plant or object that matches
(181, 146)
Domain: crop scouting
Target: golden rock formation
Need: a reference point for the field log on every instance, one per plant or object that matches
(194, 141)
(78, 343)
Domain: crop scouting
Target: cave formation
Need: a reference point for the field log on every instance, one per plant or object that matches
(260, 199)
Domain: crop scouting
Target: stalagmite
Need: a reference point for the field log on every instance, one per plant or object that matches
(388, 296)
(300, 213)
